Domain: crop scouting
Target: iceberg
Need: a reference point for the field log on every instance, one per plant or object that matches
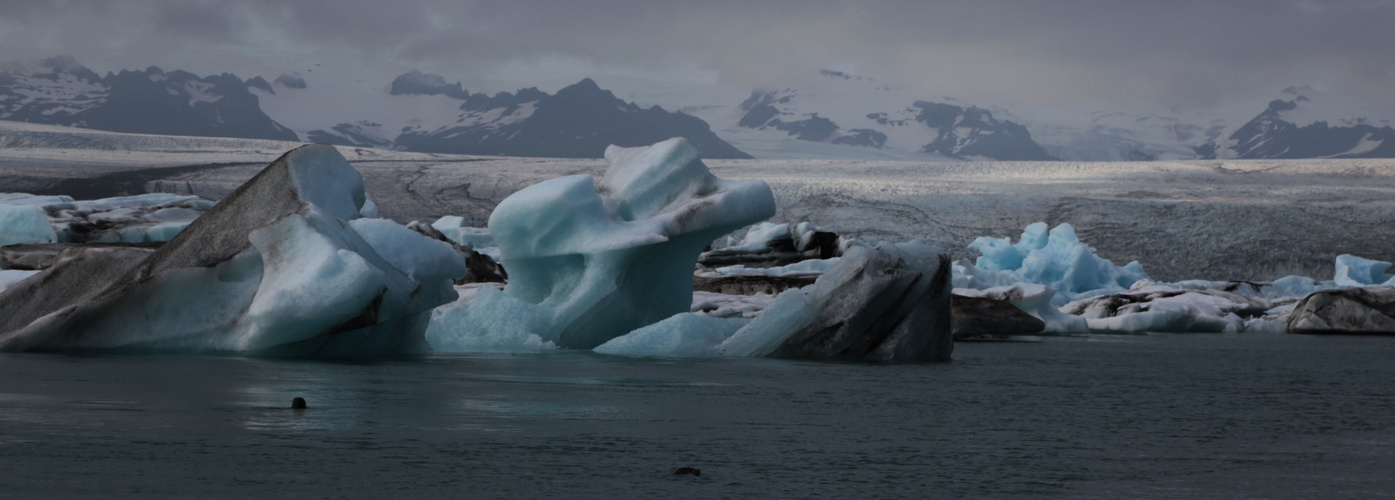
(477, 238)
(1056, 259)
(1033, 299)
(889, 303)
(590, 261)
(1364, 310)
(884, 303)
(25, 224)
(772, 245)
(1353, 271)
(811, 266)
(1159, 307)
(681, 335)
(151, 217)
(284, 266)
(722, 305)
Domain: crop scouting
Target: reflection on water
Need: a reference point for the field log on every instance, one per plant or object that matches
(1088, 417)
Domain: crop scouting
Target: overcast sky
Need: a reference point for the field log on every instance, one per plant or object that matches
(1180, 54)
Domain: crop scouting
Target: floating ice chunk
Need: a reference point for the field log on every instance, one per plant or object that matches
(889, 303)
(1156, 307)
(1296, 286)
(1353, 271)
(277, 268)
(1034, 300)
(1056, 259)
(811, 266)
(490, 322)
(721, 305)
(32, 200)
(164, 231)
(1363, 310)
(478, 238)
(175, 214)
(1266, 325)
(431, 263)
(762, 236)
(604, 264)
(312, 281)
(681, 335)
(968, 276)
(25, 224)
(130, 219)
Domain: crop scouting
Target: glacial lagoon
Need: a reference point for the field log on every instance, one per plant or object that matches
(1152, 416)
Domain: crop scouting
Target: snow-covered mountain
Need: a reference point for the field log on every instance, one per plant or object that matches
(579, 121)
(854, 111)
(59, 91)
(1304, 123)
(416, 112)
(831, 114)
(839, 113)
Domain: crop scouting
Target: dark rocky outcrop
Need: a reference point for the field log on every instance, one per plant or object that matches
(1354, 311)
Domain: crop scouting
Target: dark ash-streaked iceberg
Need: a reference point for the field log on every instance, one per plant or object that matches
(284, 266)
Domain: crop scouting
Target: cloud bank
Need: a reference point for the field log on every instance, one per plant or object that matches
(1183, 55)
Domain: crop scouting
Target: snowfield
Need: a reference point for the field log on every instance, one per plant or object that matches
(1216, 220)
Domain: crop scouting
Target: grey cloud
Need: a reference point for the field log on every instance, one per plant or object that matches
(1173, 53)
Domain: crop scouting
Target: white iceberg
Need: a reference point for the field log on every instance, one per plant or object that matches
(589, 262)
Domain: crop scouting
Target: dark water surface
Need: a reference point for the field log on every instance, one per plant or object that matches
(1234, 416)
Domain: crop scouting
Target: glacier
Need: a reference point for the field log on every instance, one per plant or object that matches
(284, 266)
(590, 261)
